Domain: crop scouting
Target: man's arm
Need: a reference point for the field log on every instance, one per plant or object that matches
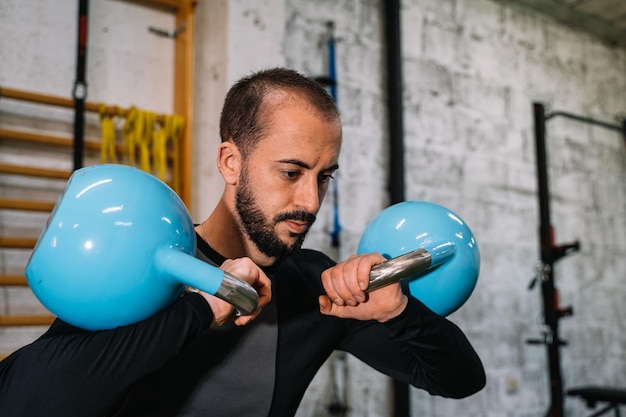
(420, 348)
(398, 334)
(78, 372)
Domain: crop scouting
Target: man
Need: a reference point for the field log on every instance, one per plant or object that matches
(281, 136)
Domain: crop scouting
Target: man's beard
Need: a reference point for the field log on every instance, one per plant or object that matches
(261, 231)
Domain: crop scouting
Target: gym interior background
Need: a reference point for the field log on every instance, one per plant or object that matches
(472, 73)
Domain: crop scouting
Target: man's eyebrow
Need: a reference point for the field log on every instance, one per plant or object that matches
(302, 164)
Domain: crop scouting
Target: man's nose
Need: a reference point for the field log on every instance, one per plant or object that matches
(307, 196)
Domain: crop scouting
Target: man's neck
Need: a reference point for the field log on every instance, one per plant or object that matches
(224, 234)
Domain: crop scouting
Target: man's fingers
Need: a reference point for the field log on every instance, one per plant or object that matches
(346, 282)
(326, 305)
(247, 271)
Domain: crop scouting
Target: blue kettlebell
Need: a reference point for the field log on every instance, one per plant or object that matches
(118, 247)
(447, 255)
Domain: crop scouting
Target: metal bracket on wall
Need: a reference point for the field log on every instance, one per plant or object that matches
(621, 127)
(172, 34)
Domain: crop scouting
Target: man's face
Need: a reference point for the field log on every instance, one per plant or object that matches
(261, 229)
(285, 178)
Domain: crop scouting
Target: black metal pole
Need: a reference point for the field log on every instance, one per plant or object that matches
(80, 85)
(394, 99)
(401, 399)
(542, 180)
(330, 81)
(550, 253)
(332, 75)
(547, 277)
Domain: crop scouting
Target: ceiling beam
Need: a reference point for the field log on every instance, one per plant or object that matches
(570, 16)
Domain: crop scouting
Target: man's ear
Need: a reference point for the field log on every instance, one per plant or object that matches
(229, 162)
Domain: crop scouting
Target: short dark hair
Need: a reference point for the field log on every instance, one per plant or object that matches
(242, 112)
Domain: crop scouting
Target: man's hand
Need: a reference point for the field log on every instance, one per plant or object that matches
(345, 285)
(248, 271)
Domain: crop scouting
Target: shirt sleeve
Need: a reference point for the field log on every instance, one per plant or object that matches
(78, 372)
(420, 348)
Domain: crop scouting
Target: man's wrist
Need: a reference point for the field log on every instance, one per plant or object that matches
(396, 311)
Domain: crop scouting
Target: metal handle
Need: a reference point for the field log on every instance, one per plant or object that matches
(397, 268)
(245, 299)
(240, 294)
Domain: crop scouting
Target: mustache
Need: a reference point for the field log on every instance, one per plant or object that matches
(297, 215)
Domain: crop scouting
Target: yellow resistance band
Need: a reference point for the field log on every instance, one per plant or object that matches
(130, 133)
(144, 133)
(178, 130)
(170, 131)
(107, 143)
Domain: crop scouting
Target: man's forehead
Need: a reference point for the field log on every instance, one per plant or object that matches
(280, 97)
(292, 126)
(306, 153)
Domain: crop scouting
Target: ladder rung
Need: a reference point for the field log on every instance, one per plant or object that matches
(13, 280)
(14, 321)
(60, 141)
(39, 138)
(29, 205)
(35, 172)
(90, 106)
(17, 242)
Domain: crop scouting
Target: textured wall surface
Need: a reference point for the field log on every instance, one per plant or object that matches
(472, 69)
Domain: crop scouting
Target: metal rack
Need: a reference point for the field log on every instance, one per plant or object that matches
(551, 253)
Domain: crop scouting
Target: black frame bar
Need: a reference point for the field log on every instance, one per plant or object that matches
(80, 85)
(550, 253)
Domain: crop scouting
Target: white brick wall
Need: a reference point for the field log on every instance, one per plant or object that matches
(472, 70)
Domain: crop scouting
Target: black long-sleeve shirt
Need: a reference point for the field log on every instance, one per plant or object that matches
(172, 364)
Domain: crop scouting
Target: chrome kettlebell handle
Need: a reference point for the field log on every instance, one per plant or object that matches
(240, 294)
(398, 268)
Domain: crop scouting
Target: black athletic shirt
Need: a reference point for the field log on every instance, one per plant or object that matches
(172, 364)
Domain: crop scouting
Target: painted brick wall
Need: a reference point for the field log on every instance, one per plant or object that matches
(472, 70)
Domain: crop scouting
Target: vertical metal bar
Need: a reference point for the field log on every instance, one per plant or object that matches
(396, 185)
(332, 75)
(394, 98)
(332, 69)
(80, 85)
(550, 307)
(542, 180)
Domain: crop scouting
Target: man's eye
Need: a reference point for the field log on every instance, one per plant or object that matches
(326, 178)
(291, 174)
